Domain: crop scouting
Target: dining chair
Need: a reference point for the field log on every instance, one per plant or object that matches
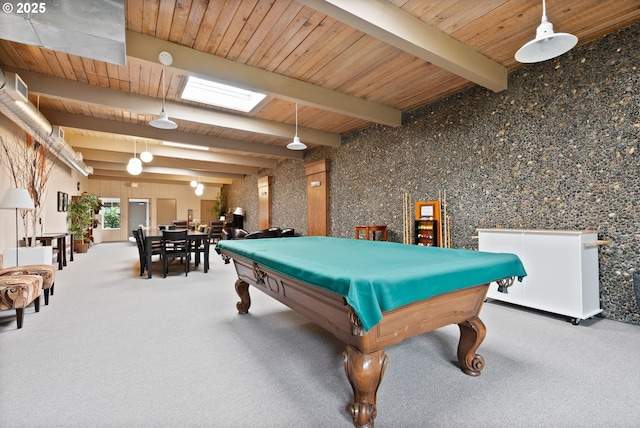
(203, 248)
(141, 241)
(217, 226)
(141, 253)
(175, 244)
(156, 246)
(180, 224)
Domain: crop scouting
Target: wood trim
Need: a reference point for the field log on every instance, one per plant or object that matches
(317, 198)
(264, 202)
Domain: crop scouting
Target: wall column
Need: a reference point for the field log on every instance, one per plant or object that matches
(317, 198)
(264, 202)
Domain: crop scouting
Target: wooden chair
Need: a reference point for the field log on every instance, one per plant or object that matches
(141, 253)
(156, 249)
(217, 226)
(175, 244)
(203, 248)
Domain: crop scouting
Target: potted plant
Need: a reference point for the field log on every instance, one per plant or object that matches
(80, 219)
(218, 206)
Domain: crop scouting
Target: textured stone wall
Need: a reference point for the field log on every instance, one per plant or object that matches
(557, 150)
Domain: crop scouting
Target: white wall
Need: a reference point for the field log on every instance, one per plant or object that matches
(184, 195)
(64, 179)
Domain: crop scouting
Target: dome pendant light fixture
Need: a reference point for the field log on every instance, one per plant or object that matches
(134, 167)
(296, 144)
(146, 156)
(547, 44)
(163, 122)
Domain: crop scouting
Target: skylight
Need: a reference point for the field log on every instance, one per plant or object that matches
(219, 95)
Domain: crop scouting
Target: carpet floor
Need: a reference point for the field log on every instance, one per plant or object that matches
(113, 349)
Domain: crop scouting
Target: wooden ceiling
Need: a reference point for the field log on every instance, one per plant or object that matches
(347, 64)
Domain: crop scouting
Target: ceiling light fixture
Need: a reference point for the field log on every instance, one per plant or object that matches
(296, 144)
(163, 122)
(547, 44)
(146, 156)
(134, 167)
(185, 146)
(199, 189)
(194, 184)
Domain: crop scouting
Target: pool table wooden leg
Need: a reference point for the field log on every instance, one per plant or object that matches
(242, 288)
(364, 372)
(472, 333)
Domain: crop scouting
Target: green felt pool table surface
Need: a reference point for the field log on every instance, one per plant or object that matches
(375, 276)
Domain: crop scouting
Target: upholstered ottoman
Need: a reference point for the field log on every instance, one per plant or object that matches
(18, 291)
(47, 272)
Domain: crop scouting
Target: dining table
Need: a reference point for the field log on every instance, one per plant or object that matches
(153, 235)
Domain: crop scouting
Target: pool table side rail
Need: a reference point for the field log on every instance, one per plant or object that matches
(331, 312)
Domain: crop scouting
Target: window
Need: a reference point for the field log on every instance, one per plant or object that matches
(110, 213)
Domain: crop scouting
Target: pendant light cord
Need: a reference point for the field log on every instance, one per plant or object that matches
(296, 119)
(163, 89)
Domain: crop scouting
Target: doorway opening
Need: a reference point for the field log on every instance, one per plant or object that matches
(138, 214)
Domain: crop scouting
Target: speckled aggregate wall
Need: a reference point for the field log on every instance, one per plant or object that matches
(557, 150)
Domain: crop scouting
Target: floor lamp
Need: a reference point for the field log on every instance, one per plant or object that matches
(17, 199)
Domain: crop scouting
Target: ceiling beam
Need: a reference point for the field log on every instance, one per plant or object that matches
(154, 169)
(81, 143)
(202, 64)
(59, 88)
(154, 178)
(121, 158)
(176, 136)
(386, 22)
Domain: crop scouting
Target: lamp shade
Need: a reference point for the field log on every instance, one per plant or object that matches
(134, 167)
(296, 144)
(163, 122)
(146, 156)
(546, 45)
(238, 211)
(17, 199)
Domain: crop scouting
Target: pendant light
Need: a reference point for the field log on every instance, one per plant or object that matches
(163, 122)
(199, 189)
(547, 44)
(296, 144)
(146, 156)
(134, 167)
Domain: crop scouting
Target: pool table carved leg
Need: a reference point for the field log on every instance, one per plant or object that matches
(364, 372)
(472, 333)
(242, 288)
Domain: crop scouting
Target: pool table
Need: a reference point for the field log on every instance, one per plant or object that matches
(374, 294)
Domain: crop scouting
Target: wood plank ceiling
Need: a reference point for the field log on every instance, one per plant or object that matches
(348, 64)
